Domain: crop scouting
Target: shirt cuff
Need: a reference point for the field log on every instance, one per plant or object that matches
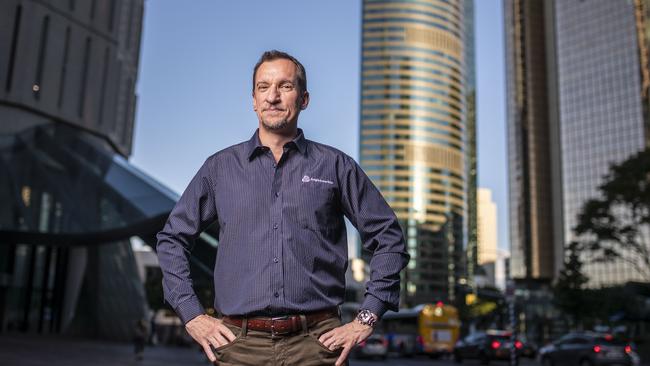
(375, 305)
(189, 309)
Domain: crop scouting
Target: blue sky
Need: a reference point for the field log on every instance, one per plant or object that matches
(194, 87)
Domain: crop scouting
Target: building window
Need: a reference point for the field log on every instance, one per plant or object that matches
(111, 14)
(118, 83)
(64, 66)
(93, 4)
(102, 96)
(84, 77)
(129, 26)
(42, 54)
(14, 45)
(127, 110)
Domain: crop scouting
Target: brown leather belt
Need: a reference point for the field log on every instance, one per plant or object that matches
(282, 324)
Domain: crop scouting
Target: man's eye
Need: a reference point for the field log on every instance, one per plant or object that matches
(262, 87)
(286, 87)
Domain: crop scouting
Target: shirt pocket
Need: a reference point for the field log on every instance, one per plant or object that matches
(316, 207)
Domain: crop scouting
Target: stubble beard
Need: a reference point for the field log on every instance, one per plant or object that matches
(279, 125)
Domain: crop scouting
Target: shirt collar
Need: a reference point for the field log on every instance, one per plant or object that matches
(255, 146)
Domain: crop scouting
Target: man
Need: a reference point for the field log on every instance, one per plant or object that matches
(279, 200)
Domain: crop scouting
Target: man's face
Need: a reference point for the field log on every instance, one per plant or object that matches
(277, 98)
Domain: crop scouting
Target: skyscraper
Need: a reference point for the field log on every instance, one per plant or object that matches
(578, 84)
(487, 227)
(67, 97)
(74, 61)
(470, 134)
(414, 144)
(487, 254)
(70, 199)
(531, 141)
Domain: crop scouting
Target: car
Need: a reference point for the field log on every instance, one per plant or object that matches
(528, 349)
(374, 346)
(486, 346)
(404, 345)
(588, 349)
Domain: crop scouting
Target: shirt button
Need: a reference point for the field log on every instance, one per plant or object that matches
(277, 194)
(275, 165)
(275, 260)
(276, 294)
(275, 226)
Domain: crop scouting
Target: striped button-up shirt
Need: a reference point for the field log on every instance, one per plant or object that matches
(282, 237)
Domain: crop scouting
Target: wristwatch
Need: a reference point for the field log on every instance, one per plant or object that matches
(367, 317)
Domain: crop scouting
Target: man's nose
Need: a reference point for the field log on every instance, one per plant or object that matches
(273, 95)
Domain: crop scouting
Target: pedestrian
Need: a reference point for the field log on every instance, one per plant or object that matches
(279, 201)
(153, 336)
(139, 338)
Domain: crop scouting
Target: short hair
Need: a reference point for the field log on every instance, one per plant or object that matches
(278, 55)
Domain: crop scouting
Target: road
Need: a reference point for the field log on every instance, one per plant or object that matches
(430, 362)
(30, 350)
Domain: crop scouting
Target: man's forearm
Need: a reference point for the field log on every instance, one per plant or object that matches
(194, 211)
(383, 288)
(177, 284)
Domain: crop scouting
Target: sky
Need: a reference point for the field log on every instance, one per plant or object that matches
(194, 83)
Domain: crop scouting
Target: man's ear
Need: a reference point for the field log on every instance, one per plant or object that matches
(305, 100)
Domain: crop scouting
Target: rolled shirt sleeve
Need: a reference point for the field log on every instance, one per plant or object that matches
(380, 233)
(194, 212)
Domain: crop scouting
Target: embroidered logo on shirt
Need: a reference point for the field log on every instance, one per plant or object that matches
(307, 179)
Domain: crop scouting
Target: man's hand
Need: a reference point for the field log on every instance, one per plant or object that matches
(346, 336)
(207, 331)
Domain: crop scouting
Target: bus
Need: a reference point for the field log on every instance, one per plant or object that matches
(431, 329)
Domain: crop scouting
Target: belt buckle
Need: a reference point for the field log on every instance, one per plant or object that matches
(284, 317)
(274, 333)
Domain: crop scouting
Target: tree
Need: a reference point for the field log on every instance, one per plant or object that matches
(569, 294)
(616, 226)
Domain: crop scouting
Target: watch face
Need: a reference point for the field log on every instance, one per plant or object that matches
(365, 317)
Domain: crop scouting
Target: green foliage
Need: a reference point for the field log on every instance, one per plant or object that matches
(613, 227)
(569, 295)
(616, 226)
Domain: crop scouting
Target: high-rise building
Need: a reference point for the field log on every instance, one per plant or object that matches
(470, 145)
(501, 269)
(530, 141)
(415, 121)
(71, 202)
(578, 84)
(75, 62)
(487, 227)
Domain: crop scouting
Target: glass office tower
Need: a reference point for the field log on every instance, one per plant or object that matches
(531, 141)
(577, 102)
(470, 150)
(414, 133)
(601, 82)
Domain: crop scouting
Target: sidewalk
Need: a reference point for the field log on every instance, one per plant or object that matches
(30, 350)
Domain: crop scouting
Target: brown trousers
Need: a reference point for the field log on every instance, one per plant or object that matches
(256, 348)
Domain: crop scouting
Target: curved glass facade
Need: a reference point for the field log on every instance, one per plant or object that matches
(413, 133)
(66, 263)
(71, 201)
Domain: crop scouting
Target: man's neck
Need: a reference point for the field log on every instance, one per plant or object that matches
(276, 140)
